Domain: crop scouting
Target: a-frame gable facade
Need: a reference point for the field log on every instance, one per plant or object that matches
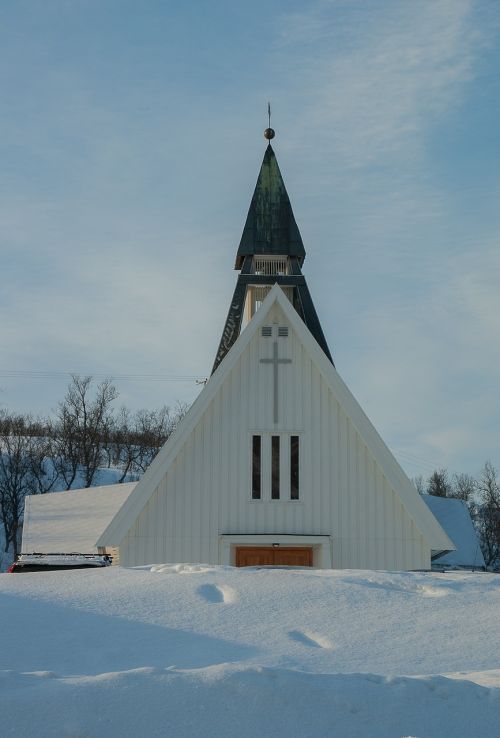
(355, 508)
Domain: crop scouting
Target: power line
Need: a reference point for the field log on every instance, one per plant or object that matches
(417, 459)
(57, 374)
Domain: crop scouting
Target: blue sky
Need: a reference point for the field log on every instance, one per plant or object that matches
(130, 142)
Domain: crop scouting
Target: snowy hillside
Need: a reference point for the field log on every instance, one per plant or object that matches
(254, 653)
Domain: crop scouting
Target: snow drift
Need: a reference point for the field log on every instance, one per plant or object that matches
(215, 651)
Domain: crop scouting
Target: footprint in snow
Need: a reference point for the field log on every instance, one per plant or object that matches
(313, 640)
(214, 593)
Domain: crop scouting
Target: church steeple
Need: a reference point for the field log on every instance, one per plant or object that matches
(270, 226)
(270, 251)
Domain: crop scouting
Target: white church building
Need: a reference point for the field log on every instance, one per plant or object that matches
(275, 463)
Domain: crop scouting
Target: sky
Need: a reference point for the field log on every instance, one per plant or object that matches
(130, 143)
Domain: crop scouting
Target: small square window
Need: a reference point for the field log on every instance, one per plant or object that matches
(283, 331)
(267, 331)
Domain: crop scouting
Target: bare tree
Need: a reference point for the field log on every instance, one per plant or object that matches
(137, 438)
(153, 428)
(464, 487)
(438, 484)
(82, 430)
(126, 444)
(66, 448)
(26, 468)
(419, 484)
(487, 514)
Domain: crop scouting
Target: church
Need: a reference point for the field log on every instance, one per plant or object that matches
(275, 463)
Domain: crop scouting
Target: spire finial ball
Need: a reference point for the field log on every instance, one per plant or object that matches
(269, 133)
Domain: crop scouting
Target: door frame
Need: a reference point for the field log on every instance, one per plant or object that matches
(321, 546)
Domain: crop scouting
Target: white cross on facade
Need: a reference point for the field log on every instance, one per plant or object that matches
(275, 361)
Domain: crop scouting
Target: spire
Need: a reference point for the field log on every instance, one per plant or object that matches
(270, 252)
(270, 226)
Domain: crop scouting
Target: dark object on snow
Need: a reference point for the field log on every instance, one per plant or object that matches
(55, 562)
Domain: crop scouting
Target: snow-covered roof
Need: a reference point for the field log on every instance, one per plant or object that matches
(71, 522)
(453, 515)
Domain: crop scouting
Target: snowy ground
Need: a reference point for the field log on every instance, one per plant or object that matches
(251, 653)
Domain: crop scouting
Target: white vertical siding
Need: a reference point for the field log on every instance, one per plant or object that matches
(343, 492)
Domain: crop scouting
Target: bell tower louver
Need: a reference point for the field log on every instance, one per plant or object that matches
(270, 252)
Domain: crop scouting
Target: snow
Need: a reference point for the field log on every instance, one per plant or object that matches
(71, 522)
(453, 515)
(194, 650)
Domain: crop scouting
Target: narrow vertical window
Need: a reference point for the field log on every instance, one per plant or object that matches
(294, 467)
(275, 467)
(256, 467)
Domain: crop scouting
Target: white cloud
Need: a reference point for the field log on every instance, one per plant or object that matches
(375, 80)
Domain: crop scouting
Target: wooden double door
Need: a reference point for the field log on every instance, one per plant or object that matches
(273, 556)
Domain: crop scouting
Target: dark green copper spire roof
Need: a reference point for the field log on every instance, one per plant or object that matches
(270, 227)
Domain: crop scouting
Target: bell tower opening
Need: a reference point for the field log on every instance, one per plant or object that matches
(277, 266)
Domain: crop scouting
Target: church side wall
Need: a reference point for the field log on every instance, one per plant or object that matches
(206, 492)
